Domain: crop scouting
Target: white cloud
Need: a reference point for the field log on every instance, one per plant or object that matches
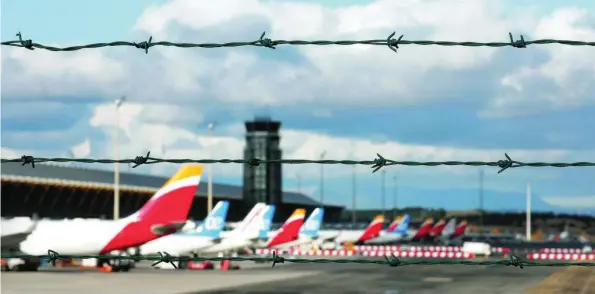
(330, 75)
(81, 150)
(170, 89)
(566, 79)
(571, 201)
(139, 135)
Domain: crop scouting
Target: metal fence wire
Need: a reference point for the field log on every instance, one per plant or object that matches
(377, 163)
(274, 258)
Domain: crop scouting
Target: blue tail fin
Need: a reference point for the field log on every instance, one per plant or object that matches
(312, 224)
(267, 220)
(214, 222)
(403, 225)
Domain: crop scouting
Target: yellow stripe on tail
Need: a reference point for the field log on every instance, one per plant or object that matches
(186, 172)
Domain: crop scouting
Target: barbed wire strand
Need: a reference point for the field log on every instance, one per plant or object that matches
(376, 164)
(392, 261)
(390, 42)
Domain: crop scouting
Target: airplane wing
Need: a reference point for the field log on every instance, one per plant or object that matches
(13, 234)
(164, 229)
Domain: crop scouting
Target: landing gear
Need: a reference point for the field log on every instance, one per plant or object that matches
(115, 265)
(20, 265)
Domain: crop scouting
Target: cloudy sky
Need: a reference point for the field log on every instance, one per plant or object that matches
(423, 103)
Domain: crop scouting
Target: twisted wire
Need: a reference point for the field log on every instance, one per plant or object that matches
(376, 164)
(392, 43)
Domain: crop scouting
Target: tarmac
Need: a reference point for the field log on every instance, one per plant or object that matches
(284, 279)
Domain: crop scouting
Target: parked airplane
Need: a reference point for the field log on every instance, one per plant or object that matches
(449, 228)
(460, 230)
(353, 236)
(244, 235)
(206, 234)
(393, 233)
(393, 225)
(165, 213)
(267, 223)
(308, 231)
(452, 235)
(407, 236)
(438, 228)
(289, 231)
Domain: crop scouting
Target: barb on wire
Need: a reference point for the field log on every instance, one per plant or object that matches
(376, 164)
(164, 257)
(269, 43)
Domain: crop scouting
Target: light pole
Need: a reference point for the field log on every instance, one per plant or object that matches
(528, 213)
(481, 197)
(116, 158)
(322, 178)
(383, 191)
(210, 177)
(353, 186)
(395, 196)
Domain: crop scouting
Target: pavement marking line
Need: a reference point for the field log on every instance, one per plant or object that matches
(438, 279)
(569, 280)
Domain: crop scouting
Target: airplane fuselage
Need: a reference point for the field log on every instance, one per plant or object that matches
(177, 244)
(86, 236)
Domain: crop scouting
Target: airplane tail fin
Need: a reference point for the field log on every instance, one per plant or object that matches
(373, 229)
(290, 229)
(424, 229)
(403, 225)
(450, 227)
(394, 224)
(250, 226)
(438, 227)
(312, 224)
(170, 205)
(461, 228)
(214, 222)
(267, 221)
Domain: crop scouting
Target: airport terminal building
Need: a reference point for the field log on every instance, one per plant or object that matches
(61, 191)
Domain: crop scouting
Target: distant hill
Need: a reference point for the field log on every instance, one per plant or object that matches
(468, 199)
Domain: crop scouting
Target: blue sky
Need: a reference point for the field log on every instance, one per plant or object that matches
(424, 103)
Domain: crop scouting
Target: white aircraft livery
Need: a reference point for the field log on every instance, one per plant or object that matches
(165, 213)
(206, 234)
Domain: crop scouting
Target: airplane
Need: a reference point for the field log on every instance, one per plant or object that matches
(438, 228)
(393, 233)
(460, 230)
(183, 243)
(449, 228)
(307, 233)
(244, 235)
(435, 233)
(165, 213)
(353, 236)
(289, 231)
(452, 235)
(393, 225)
(267, 222)
(406, 235)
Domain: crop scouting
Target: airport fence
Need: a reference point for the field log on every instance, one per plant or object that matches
(392, 260)
(376, 164)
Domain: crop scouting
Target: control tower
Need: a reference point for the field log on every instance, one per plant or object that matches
(263, 183)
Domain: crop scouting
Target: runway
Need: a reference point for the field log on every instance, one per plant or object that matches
(283, 279)
(444, 279)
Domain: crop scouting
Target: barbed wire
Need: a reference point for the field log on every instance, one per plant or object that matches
(390, 42)
(392, 261)
(376, 164)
